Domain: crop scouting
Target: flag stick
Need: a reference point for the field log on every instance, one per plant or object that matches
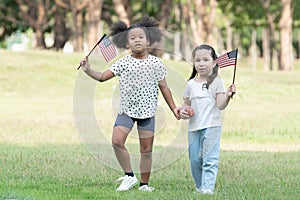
(234, 71)
(92, 49)
(235, 66)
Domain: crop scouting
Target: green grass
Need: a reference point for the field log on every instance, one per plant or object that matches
(43, 157)
(70, 172)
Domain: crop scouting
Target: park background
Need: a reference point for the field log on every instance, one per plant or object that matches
(42, 42)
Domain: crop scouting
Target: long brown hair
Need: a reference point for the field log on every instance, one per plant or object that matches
(215, 70)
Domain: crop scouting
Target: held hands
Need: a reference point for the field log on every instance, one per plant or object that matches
(176, 112)
(84, 63)
(186, 112)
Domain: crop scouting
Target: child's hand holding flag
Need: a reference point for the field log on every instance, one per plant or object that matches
(107, 49)
(229, 59)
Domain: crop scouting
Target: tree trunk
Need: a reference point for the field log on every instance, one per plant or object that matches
(39, 23)
(201, 19)
(92, 18)
(272, 43)
(229, 37)
(271, 32)
(220, 47)
(37, 13)
(78, 31)
(40, 39)
(165, 10)
(298, 46)
(183, 16)
(178, 51)
(77, 8)
(121, 11)
(213, 5)
(195, 26)
(285, 25)
(61, 33)
(266, 48)
(253, 50)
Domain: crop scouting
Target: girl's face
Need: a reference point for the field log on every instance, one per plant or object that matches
(203, 62)
(137, 40)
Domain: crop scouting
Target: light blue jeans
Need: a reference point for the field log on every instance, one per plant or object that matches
(204, 150)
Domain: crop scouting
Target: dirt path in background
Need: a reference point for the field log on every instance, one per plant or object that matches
(260, 147)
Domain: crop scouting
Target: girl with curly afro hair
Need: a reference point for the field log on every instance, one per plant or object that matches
(141, 76)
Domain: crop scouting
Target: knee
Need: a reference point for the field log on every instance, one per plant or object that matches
(116, 142)
(147, 149)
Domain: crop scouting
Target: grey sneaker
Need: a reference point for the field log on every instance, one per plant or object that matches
(146, 188)
(127, 183)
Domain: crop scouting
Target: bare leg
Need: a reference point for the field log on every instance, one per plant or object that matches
(119, 137)
(146, 143)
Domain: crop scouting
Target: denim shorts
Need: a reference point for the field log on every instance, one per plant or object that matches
(147, 124)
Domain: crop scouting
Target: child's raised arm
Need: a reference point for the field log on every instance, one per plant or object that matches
(99, 76)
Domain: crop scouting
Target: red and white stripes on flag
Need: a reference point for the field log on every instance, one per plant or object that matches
(227, 59)
(107, 48)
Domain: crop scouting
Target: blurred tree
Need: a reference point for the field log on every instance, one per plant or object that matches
(201, 18)
(263, 14)
(285, 26)
(272, 11)
(120, 8)
(77, 8)
(296, 27)
(107, 12)
(10, 19)
(36, 13)
(93, 21)
(163, 15)
(130, 11)
(228, 23)
(193, 10)
(61, 32)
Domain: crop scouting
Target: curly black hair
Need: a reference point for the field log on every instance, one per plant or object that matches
(119, 31)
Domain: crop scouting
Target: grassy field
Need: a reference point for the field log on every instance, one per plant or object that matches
(44, 154)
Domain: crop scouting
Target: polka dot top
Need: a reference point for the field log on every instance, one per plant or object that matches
(139, 84)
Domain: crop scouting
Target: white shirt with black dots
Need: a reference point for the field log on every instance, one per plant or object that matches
(139, 84)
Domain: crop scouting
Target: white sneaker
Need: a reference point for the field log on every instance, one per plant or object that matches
(146, 188)
(127, 183)
(207, 192)
(197, 190)
(204, 191)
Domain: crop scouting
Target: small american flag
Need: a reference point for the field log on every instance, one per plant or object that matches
(227, 59)
(107, 48)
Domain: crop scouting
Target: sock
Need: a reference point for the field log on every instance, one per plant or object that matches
(129, 174)
(141, 184)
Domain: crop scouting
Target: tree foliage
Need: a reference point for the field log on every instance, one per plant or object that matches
(69, 17)
(10, 19)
